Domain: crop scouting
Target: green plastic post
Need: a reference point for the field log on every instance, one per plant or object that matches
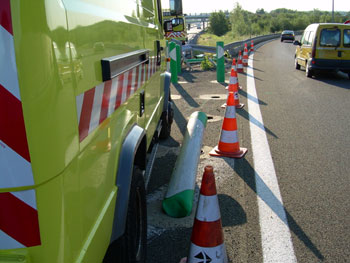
(173, 64)
(178, 58)
(220, 64)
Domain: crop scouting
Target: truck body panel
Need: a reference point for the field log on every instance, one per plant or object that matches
(73, 124)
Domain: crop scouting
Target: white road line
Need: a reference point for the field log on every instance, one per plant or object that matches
(276, 240)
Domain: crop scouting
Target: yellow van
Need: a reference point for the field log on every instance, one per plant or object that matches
(324, 46)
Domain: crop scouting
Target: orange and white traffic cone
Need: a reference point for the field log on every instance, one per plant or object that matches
(251, 46)
(229, 145)
(245, 55)
(234, 67)
(207, 240)
(240, 65)
(233, 87)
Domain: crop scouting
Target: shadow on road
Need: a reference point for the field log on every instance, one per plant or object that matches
(232, 213)
(337, 79)
(179, 119)
(189, 77)
(248, 75)
(250, 118)
(187, 97)
(244, 170)
(252, 98)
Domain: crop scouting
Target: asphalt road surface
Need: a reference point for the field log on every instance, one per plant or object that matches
(287, 200)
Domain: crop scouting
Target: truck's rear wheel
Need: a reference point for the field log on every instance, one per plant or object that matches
(136, 222)
(131, 247)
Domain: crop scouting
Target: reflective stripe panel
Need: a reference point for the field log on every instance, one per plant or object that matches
(19, 220)
(8, 68)
(233, 80)
(230, 112)
(105, 100)
(97, 104)
(96, 108)
(7, 242)
(205, 204)
(12, 129)
(229, 136)
(19, 224)
(15, 171)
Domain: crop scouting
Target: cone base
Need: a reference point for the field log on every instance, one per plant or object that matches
(239, 106)
(239, 154)
(240, 70)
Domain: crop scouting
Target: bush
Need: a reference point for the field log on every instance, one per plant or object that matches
(206, 64)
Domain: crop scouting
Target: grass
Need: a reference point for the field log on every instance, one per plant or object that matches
(208, 39)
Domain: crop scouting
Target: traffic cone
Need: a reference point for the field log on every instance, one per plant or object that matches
(245, 55)
(229, 145)
(233, 87)
(251, 46)
(234, 67)
(207, 240)
(240, 65)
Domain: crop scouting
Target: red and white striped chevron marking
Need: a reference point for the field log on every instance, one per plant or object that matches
(174, 34)
(19, 226)
(97, 104)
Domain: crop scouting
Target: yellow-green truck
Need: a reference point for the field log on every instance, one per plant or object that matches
(84, 97)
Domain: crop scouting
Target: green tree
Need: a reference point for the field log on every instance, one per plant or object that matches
(219, 24)
(240, 22)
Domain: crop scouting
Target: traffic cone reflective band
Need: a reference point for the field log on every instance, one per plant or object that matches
(251, 46)
(245, 55)
(239, 64)
(207, 240)
(234, 86)
(229, 145)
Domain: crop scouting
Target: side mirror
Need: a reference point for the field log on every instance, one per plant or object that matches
(296, 43)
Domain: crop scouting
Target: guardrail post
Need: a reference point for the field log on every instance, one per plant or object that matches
(178, 58)
(173, 64)
(220, 62)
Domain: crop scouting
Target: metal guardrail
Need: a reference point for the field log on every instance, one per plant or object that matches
(234, 47)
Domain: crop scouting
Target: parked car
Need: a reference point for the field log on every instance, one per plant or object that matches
(287, 35)
(324, 47)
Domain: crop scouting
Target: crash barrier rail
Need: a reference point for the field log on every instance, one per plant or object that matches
(232, 48)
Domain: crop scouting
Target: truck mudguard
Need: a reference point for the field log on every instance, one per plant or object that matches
(124, 175)
(165, 80)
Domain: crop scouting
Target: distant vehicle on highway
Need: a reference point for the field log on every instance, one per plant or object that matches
(324, 47)
(287, 35)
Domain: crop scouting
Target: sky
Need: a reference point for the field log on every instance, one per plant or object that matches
(208, 6)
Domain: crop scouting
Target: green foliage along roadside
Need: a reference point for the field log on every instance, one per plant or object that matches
(245, 23)
(206, 64)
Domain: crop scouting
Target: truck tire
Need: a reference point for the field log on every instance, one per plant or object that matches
(131, 247)
(167, 120)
